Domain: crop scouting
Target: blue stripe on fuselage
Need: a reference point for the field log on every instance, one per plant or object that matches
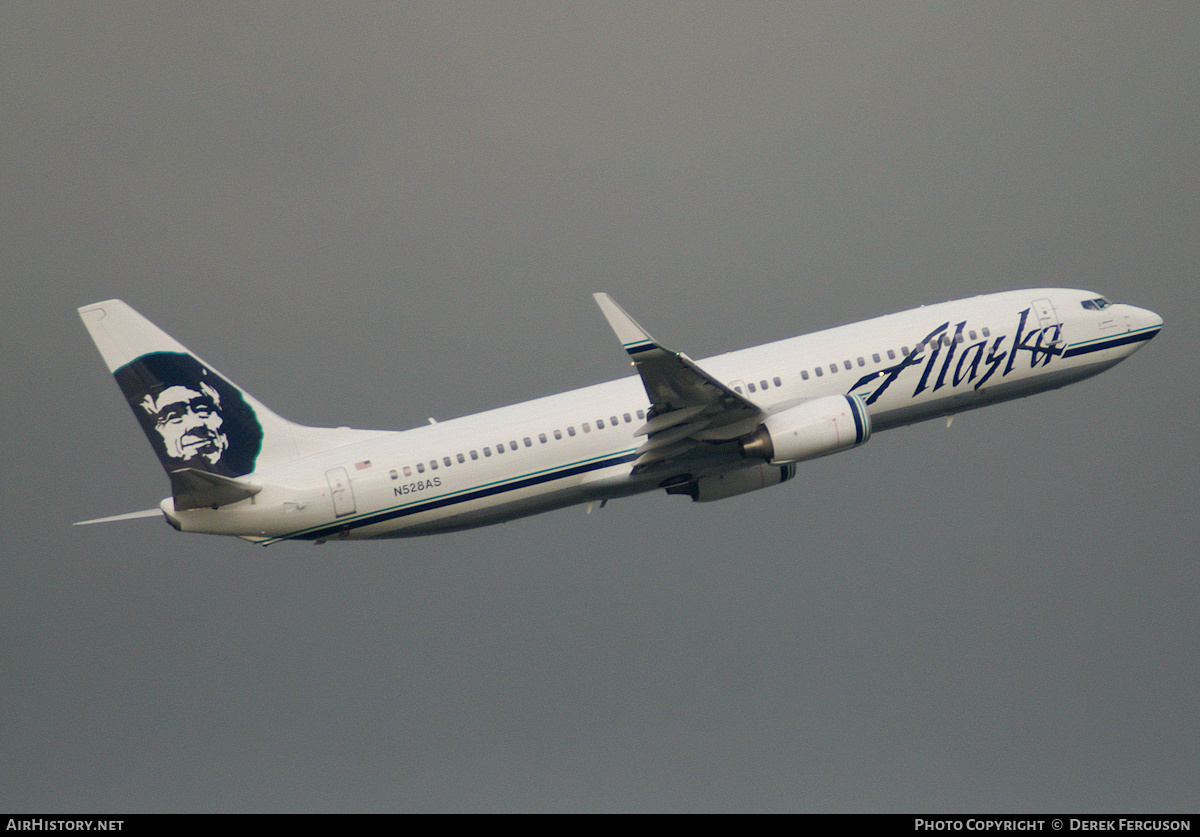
(1110, 343)
(443, 502)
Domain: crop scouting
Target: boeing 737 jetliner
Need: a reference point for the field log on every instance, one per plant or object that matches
(707, 429)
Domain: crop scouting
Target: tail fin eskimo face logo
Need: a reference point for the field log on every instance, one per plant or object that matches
(193, 417)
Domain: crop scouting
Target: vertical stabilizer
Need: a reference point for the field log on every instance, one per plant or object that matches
(194, 416)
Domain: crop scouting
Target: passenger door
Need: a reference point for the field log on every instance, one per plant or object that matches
(341, 491)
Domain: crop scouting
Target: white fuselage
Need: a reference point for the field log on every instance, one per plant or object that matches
(580, 446)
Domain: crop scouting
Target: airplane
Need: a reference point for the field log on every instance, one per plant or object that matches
(708, 429)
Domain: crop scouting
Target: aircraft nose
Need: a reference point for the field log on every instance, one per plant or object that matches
(1141, 326)
(1145, 321)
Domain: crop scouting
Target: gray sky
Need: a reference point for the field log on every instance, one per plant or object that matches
(368, 215)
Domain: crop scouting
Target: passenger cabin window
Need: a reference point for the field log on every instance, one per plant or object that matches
(599, 424)
(461, 459)
(891, 354)
(512, 445)
(833, 367)
(612, 420)
(407, 471)
(750, 386)
(763, 384)
(474, 454)
(487, 451)
(433, 464)
(875, 357)
(587, 428)
(393, 474)
(819, 371)
(420, 468)
(571, 430)
(641, 414)
(557, 434)
(804, 374)
(627, 418)
(446, 460)
(777, 381)
(542, 438)
(987, 332)
(500, 448)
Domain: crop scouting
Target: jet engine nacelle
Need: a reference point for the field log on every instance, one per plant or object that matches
(810, 430)
(731, 483)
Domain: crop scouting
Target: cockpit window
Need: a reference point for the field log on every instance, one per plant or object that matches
(1097, 304)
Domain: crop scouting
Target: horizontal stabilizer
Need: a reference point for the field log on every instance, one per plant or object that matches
(127, 516)
(196, 489)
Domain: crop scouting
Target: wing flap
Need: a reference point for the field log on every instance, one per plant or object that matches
(668, 420)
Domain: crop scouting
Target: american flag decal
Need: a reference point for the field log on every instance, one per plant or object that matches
(360, 466)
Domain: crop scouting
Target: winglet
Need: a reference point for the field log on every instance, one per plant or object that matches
(633, 337)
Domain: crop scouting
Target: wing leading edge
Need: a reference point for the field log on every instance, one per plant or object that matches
(689, 409)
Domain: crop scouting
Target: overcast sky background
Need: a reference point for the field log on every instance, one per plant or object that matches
(372, 214)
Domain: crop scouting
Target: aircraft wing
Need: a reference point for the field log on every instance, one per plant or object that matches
(690, 410)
